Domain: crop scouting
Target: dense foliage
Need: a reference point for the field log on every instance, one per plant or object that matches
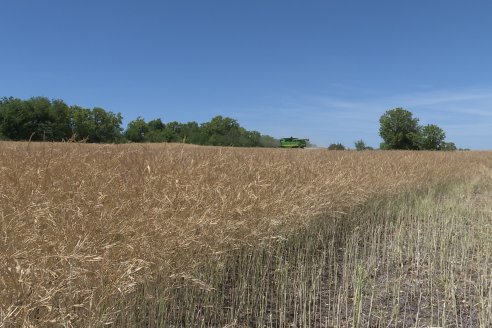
(336, 146)
(400, 130)
(41, 119)
(361, 145)
(220, 131)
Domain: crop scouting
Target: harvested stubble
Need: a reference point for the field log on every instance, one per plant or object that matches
(83, 226)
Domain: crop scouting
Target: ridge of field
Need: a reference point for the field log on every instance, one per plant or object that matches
(84, 225)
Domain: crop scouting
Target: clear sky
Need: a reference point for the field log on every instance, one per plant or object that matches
(324, 70)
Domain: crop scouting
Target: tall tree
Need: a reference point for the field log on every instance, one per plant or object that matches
(62, 120)
(431, 137)
(173, 132)
(222, 131)
(399, 129)
(156, 131)
(37, 118)
(107, 126)
(39, 121)
(13, 116)
(191, 133)
(137, 130)
(82, 123)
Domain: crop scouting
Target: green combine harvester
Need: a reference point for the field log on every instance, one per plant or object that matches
(293, 142)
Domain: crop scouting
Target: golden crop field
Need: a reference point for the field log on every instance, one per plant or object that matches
(176, 235)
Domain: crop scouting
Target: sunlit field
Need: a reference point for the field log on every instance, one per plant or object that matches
(174, 235)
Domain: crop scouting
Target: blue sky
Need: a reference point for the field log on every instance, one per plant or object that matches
(325, 70)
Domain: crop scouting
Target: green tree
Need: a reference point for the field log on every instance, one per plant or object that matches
(37, 118)
(222, 131)
(173, 132)
(82, 123)
(62, 120)
(430, 137)
(137, 130)
(399, 129)
(13, 115)
(96, 125)
(253, 138)
(336, 146)
(107, 126)
(448, 146)
(39, 121)
(156, 124)
(191, 133)
(156, 131)
(361, 145)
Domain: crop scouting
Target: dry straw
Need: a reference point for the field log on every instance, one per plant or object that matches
(84, 225)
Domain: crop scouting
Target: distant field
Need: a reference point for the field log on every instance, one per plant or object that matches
(176, 235)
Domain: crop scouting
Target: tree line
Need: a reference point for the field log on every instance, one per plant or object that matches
(42, 119)
(400, 130)
(220, 131)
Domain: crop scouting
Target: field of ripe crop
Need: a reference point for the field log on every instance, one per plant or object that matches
(176, 235)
